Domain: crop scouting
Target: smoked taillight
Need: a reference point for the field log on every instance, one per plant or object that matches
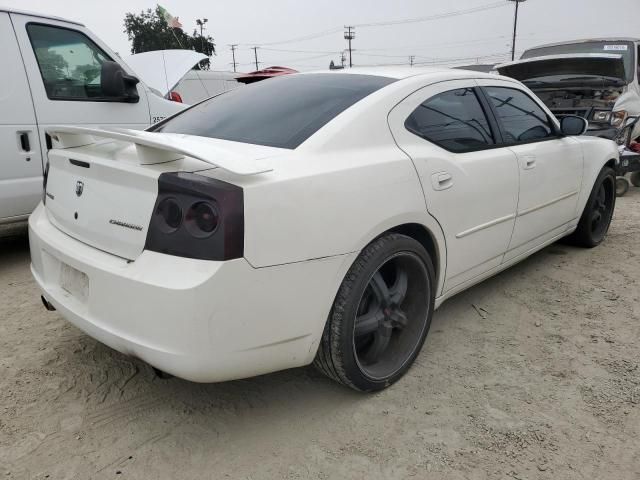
(197, 217)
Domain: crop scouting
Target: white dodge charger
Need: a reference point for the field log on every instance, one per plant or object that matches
(319, 217)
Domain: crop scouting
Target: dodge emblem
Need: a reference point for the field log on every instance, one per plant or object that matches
(79, 187)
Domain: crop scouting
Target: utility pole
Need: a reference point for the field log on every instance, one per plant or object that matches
(350, 34)
(233, 55)
(343, 58)
(411, 59)
(515, 28)
(255, 55)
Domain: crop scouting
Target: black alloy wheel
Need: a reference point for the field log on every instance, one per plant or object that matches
(381, 315)
(598, 212)
(390, 315)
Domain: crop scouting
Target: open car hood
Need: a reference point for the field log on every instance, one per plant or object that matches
(573, 64)
(163, 69)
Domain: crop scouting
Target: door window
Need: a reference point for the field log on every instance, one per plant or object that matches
(70, 63)
(523, 120)
(453, 120)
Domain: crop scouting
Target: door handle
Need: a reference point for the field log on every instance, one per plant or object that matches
(24, 145)
(529, 162)
(441, 180)
(24, 141)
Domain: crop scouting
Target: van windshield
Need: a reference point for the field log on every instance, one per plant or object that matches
(280, 112)
(625, 49)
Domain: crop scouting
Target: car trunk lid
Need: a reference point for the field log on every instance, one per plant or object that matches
(103, 194)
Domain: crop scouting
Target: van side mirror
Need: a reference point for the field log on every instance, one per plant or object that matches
(572, 125)
(117, 84)
(631, 122)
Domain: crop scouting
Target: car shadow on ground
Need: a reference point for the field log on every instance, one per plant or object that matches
(14, 243)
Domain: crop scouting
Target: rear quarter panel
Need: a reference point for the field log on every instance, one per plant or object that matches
(597, 152)
(329, 204)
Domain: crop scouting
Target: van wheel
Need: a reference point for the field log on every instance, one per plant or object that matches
(597, 214)
(635, 179)
(622, 186)
(381, 315)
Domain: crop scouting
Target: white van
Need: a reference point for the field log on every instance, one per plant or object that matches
(57, 72)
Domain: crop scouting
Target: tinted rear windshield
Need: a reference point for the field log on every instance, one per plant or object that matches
(279, 112)
(625, 49)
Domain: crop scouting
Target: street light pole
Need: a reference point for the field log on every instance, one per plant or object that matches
(515, 28)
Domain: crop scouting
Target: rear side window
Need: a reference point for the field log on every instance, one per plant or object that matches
(523, 120)
(453, 120)
(70, 63)
(279, 112)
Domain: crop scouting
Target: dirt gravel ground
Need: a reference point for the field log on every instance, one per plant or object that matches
(533, 374)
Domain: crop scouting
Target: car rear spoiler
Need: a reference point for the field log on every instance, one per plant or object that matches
(158, 148)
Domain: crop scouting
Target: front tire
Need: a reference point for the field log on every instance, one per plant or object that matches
(381, 315)
(596, 217)
(635, 179)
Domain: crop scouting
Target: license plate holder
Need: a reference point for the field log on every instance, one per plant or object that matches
(74, 282)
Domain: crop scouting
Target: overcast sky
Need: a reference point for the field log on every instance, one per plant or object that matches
(484, 35)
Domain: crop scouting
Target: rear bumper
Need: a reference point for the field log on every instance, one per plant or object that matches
(200, 320)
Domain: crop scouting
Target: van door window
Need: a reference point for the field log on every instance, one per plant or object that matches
(69, 62)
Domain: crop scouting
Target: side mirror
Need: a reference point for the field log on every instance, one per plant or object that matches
(631, 122)
(572, 125)
(117, 84)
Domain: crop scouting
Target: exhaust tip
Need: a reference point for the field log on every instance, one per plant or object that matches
(47, 304)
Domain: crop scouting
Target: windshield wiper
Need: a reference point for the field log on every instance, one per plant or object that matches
(535, 82)
(591, 77)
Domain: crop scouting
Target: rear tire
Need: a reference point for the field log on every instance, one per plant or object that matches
(596, 217)
(381, 315)
(622, 186)
(635, 179)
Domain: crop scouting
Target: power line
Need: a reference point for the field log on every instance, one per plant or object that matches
(330, 31)
(455, 13)
(296, 51)
(432, 45)
(381, 55)
(288, 60)
(298, 39)
(442, 61)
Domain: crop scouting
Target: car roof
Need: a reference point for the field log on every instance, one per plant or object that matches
(37, 14)
(586, 40)
(400, 72)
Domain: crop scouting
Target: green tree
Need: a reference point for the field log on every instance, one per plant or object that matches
(150, 31)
